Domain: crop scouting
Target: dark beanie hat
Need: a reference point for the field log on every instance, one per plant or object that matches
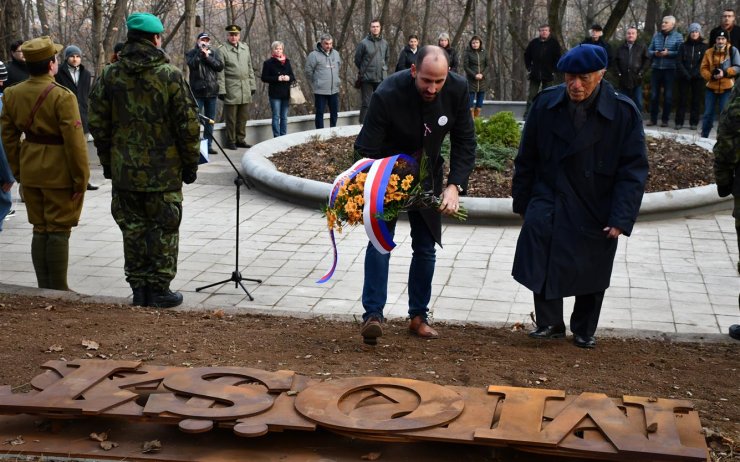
(583, 59)
(72, 50)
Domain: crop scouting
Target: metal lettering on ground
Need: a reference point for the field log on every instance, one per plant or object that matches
(254, 402)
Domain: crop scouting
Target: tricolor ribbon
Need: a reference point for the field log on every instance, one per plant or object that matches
(374, 194)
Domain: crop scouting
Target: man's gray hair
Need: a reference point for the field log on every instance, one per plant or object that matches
(325, 37)
(277, 43)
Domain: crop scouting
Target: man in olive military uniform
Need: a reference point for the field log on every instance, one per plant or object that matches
(236, 86)
(51, 161)
(727, 157)
(144, 121)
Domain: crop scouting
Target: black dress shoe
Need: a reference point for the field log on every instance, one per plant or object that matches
(212, 151)
(164, 298)
(583, 341)
(92, 187)
(735, 331)
(231, 146)
(242, 144)
(548, 332)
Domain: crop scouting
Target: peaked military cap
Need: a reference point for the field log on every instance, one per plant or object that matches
(40, 48)
(583, 59)
(233, 28)
(144, 22)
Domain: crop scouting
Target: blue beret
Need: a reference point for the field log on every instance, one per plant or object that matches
(583, 59)
(145, 22)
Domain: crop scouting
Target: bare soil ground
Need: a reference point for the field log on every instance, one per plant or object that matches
(673, 165)
(36, 329)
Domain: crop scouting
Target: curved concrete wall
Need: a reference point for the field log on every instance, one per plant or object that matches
(655, 206)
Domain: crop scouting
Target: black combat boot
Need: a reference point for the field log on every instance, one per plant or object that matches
(164, 298)
(141, 296)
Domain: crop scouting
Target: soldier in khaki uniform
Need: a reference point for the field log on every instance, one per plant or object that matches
(51, 162)
(236, 86)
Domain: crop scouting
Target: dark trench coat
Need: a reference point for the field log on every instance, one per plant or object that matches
(570, 186)
(397, 120)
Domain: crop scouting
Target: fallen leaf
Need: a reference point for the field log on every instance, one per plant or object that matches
(90, 344)
(99, 436)
(517, 326)
(219, 314)
(54, 349)
(151, 446)
(108, 445)
(18, 440)
(371, 456)
(49, 308)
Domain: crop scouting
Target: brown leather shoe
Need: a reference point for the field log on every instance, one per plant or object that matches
(419, 326)
(371, 330)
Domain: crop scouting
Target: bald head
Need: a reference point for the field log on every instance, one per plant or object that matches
(432, 54)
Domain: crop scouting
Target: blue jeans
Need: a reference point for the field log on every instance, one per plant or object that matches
(664, 78)
(476, 99)
(710, 98)
(320, 102)
(207, 107)
(421, 272)
(279, 116)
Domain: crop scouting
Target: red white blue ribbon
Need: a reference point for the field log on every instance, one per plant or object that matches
(376, 184)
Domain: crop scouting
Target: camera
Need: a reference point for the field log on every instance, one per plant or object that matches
(716, 71)
(205, 46)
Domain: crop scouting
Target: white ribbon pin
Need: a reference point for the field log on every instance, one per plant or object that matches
(442, 121)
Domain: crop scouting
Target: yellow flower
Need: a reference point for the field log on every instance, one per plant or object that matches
(350, 207)
(406, 183)
(360, 200)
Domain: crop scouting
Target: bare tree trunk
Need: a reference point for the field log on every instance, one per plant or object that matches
(651, 19)
(463, 23)
(98, 50)
(368, 14)
(555, 19)
(270, 20)
(12, 18)
(187, 32)
(340, 40)
(615, 18)
(385, 6)
(41, 11)
(425, 22)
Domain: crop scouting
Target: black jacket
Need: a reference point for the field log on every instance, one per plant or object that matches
(204, 72)
(475, 62)
(630, 64)
(396, 122)
(81, 89)
(690, 54)
(406, 58)
(603, 44)
(734, 36)
(271, 70)
(17, 72)
(452, 58)
(541, 58)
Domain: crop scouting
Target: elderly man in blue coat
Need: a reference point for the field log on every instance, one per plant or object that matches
(578, 183)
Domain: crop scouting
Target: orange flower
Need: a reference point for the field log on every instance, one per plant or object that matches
(406, 183)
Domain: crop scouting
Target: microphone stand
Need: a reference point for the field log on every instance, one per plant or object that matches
(236, 275)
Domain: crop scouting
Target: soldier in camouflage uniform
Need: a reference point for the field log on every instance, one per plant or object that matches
(727, 157)
(144, 121)
(51, 161)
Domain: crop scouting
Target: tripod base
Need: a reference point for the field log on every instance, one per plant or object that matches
(236, 278)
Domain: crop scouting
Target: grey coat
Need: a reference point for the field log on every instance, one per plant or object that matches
(374, 71)
(322, 71)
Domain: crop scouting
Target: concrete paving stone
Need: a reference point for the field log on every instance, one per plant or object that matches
(681, 286)
(461, 280)
(303, 291)
(697, 329)
(689, 306)
(653, 315)
(616, 301)
(681, 269)
(653, 270)
(494, 294)
(493, 306)
(676, 248)
(668, 327)
(220, 298)
(699, 319)
(728, 289)
(451, 315)
(638, 303)
(690, 297)
(695, 278)
(723, 299)
(606, 323)
(640, 258)
(522, 308)
(727, 310)
(453, 303)
(280, 280)
(24, 278)
(649, 293)
(487, 317)
(648, 283)
(99, 285)
(284, 247)
(726, 321)
(456, 290)
(619, 281)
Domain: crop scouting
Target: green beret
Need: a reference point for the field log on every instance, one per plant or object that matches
(145, 22)
(40, 48)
